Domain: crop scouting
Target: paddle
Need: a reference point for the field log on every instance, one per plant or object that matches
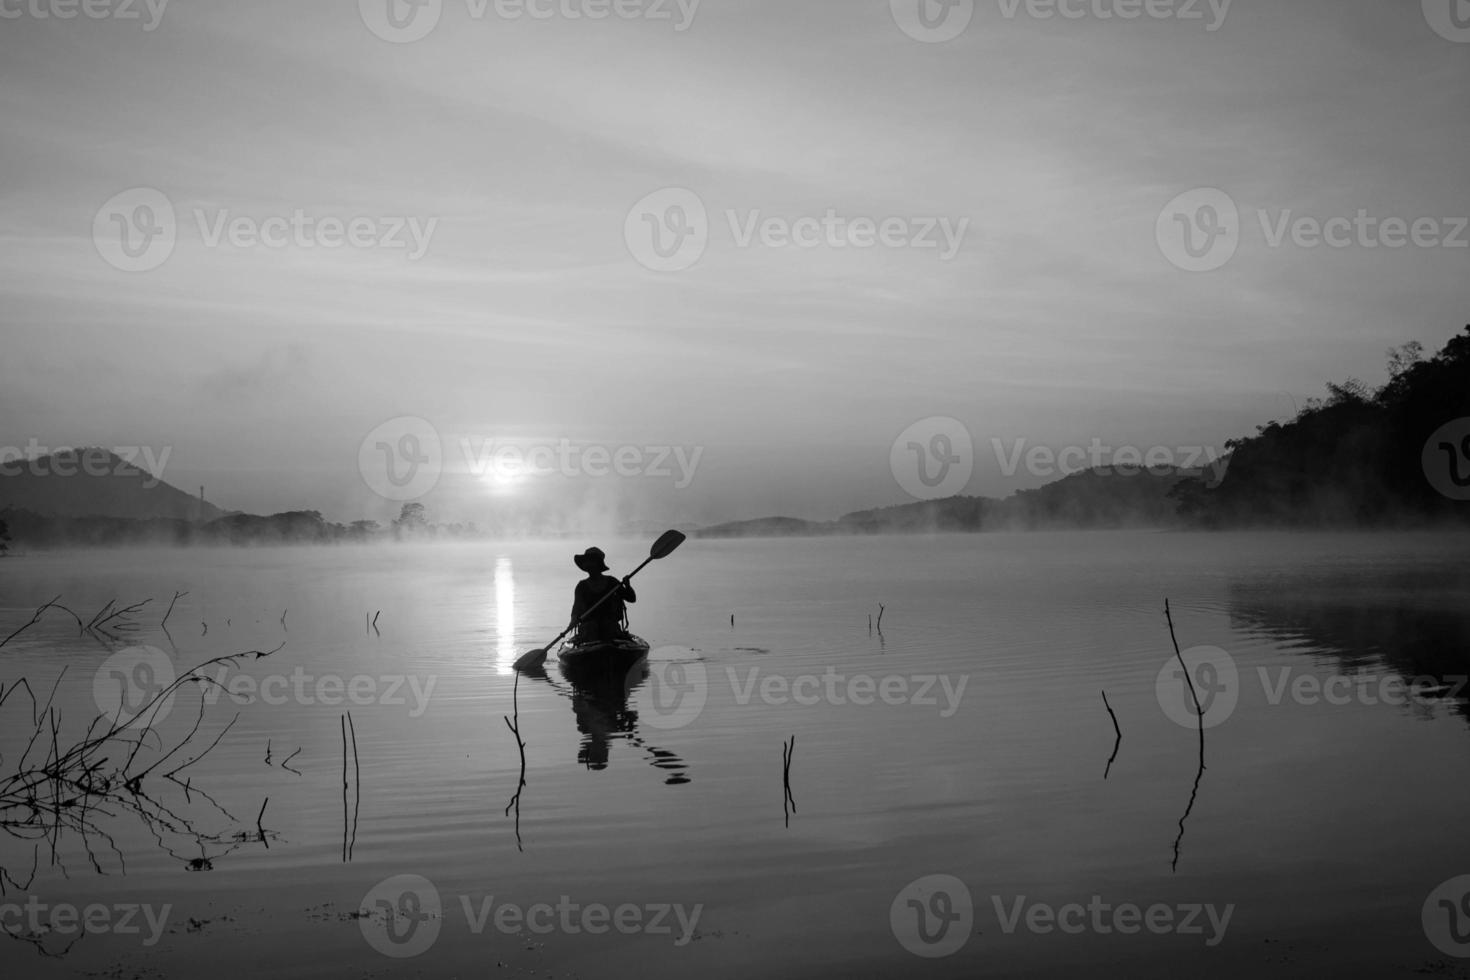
(662, 548)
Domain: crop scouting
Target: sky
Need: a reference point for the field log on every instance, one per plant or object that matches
(768, 238)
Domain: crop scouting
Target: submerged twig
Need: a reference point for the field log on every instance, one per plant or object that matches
(1118, 732)
(1179, 840)
(77, 786)
(788, 804)
(1198, 711)
(177, 596)
(258, 818)
(122, 618)
(356, 787)
(515, 729)
(93, 621)
(225, 731)
(1200, 714)
(349, 838)
(41, 611)
(343, 721)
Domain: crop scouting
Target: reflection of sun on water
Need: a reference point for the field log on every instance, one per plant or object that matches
(505, 615)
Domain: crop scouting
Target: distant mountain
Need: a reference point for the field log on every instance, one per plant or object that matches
(651, 529)
(96, 483)
(1103, 498)
(923, 517)
(769, 527)
(1093, 499)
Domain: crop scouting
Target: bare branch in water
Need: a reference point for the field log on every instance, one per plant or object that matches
(194, 675)
(74, 787)
(356, 787)
(788, 805)
(21, 885)
(177, 596)
(1200, 714)
(225, 731)
(515, 729)
(121, 619)
(6, 693)
(198, 720)
(93, 621)
(41, 611)
(1193, 795)
(349, 843)
(1118, 732)
(343, 721)
(1198, 711)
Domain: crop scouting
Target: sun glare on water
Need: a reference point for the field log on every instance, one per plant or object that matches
(505, 614)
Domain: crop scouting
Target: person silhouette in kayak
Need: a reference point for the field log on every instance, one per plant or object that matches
(609, 620)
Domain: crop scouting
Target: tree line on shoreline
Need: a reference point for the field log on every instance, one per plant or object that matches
(292, 527)
(1359, 457)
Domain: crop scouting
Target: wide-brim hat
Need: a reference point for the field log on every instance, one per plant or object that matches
(592, 560)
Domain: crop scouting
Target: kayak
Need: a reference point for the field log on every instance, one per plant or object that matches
(619, 654)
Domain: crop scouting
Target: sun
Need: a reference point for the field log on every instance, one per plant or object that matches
(505, 476)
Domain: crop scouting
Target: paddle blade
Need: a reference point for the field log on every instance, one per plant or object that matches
(533, 659)
(665, 545)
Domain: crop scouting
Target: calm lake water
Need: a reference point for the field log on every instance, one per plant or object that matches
(968, 739)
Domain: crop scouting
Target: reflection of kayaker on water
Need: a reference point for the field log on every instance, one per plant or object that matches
(607, 620)
(604, 715)
(600, 700)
